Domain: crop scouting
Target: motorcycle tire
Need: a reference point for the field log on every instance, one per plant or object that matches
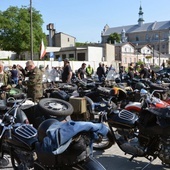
(16, 93)
(16, 163)
(105, 143)
(90, 164)
(55, 107)
(67, 87)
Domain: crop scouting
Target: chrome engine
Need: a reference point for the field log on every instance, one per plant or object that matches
(164, 154)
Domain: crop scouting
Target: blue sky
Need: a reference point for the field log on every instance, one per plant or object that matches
(85, 19)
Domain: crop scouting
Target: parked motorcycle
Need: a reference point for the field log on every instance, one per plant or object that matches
(144, 135)
(149, 99)
(51, 146)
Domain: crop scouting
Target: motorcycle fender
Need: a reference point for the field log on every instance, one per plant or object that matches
(136, 106)
(90, 164)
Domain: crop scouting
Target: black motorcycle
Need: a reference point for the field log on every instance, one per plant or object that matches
(39, 149)
(146, 135)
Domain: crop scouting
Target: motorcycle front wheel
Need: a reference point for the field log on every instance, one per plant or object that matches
(105, 143)
(16, 163)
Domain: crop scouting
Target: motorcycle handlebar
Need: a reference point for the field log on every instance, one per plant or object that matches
(161, 91)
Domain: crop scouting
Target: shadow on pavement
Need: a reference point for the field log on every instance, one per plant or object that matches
(115, 162)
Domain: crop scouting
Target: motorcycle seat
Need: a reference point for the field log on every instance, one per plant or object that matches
(162, 112)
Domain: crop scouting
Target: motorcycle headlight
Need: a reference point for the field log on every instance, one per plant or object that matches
(102, 104)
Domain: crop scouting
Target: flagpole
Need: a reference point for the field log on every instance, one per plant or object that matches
(31, 32)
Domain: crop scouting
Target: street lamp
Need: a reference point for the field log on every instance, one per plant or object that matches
(159, 48)
(50, 27)
(137, 51)
(153, 55)
(31, 32)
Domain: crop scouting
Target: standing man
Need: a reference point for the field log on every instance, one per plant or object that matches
(89, 71)
(67, 72)
(34, 84)
(14, 74)
(81, 71)
(100, 72)
(144, 73)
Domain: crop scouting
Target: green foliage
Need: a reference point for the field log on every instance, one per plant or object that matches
(15, 30)
(79, 44)
(114, 37)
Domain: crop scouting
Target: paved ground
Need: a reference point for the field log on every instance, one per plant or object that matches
(114, 159)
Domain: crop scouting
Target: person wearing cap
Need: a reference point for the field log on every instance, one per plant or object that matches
(34, 84)
(67, 72)
(81, 71)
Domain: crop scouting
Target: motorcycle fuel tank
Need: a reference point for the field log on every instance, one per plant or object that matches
(122, 119)
(23, 136)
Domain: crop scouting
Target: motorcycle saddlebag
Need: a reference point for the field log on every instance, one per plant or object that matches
(78, 150)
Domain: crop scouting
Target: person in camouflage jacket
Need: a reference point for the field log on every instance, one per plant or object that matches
(34, 83)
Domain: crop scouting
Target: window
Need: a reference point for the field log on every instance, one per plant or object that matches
(57, 57)
(146, 37)
(156, 37)
(81, 56)
(71, 56)
(137, 38)
(125, 60)
(68, 39)
(63, 56)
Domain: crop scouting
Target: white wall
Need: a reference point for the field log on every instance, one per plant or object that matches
(7, 54)
(95, 53)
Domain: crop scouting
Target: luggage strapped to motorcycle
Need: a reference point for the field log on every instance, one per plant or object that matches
(78, 150)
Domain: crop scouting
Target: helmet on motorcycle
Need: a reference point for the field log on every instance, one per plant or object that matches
(140, 86)
(43, 128)
(117, 80)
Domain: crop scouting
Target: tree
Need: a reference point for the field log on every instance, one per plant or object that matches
(15, 30)
(114, 37)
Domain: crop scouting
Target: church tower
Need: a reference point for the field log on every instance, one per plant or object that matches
(140, 20)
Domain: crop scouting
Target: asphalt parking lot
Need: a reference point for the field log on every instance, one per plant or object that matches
(114, 159)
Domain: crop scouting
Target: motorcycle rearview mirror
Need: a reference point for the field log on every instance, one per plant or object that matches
(136, 90)
(48, 80)
(143, 92)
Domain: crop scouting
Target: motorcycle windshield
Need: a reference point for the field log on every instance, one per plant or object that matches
(112, 75)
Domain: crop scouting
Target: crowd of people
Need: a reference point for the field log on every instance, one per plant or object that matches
(34, 89)
(140, 71)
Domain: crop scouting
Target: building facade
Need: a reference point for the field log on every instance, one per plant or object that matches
(156, 34)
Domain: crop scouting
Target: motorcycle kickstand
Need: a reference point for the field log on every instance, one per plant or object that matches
(148, 164)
